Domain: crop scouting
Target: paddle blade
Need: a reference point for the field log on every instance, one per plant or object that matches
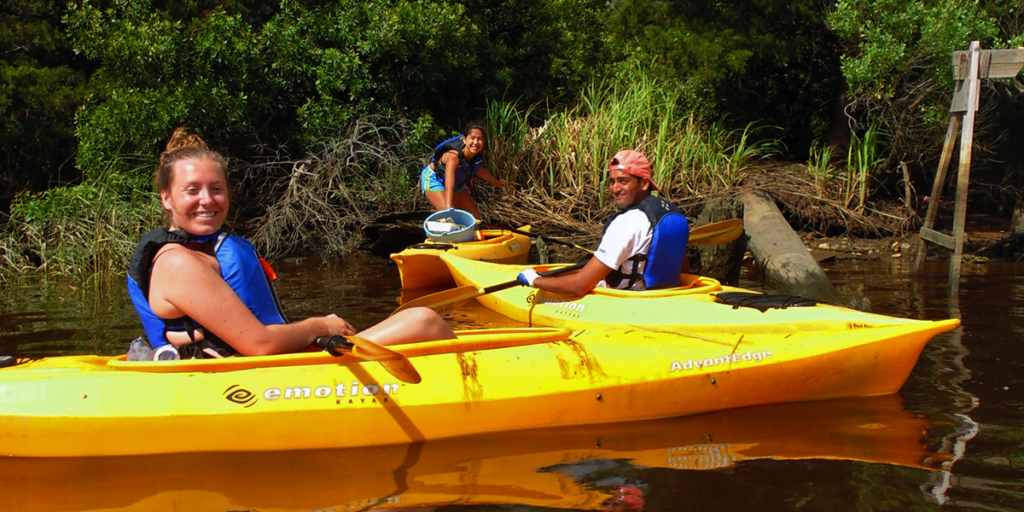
(444, 301)
(403, 370)
(396, 364)
(716, 233)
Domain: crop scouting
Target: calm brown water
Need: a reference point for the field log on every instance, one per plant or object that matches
(951, 440)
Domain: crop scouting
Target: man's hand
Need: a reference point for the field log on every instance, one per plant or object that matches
(528, 276)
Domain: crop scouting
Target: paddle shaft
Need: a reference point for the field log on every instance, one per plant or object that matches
(550, 273)
(444, 301)
(547, 239)
(708, 234)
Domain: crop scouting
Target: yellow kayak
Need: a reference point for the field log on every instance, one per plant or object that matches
(531, 468)
(420, 266)
(485, 381)
(688, 308)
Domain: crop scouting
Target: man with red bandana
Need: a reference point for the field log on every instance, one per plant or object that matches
(643, 245)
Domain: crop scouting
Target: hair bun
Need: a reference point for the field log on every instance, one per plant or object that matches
(183, 138)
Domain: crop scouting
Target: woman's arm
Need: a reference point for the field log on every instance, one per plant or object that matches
(451, 164)
(188, 283)
(483, 173)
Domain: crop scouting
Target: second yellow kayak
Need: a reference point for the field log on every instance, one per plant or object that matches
(420, 266)
(689, 308)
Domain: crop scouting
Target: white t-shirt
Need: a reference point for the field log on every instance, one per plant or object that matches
(628, 235)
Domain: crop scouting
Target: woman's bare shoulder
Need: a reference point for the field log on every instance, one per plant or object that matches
(174, 258)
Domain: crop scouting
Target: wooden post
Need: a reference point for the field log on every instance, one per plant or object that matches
(968, 69)
(940, 180)
(964, 176)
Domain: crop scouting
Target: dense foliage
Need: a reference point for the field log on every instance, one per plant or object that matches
(897, 66)
(773, 62)
(297, 74)
(90, 90)
(41, 86)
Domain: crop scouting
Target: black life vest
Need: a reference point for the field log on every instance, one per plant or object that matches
(467, 168)
(240, 267)
(667, 251)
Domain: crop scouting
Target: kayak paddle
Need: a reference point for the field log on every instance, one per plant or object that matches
(396, 364)
(545, 238)
(445, 301)
(708, 234)
(716, 233)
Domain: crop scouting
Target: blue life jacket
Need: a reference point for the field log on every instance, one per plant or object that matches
(667, 252)
(240, 267)
(467, 168)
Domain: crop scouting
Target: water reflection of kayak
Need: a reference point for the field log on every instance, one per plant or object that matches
(535, 468)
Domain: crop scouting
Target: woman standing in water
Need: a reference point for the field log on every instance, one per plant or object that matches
(445, 180)
(207, 293)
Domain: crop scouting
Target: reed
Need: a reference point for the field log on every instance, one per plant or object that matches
(861, 163)
(821, 167)
(567, 155)
(87, 230)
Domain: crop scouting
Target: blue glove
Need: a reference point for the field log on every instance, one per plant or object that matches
(528, 276)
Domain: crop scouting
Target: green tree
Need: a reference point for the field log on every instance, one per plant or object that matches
(538, 51)
(897, 66)
(283, 82)
(287, 76)
(42, 83)
(768, 61)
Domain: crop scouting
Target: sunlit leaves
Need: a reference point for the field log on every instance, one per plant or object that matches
(892, 41)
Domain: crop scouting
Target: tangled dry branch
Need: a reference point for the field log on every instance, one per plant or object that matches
(322, 203)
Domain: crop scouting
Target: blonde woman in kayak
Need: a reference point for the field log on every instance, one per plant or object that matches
(207, 293)
(445, 180)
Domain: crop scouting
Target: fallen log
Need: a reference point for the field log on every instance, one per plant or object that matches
(787, 265)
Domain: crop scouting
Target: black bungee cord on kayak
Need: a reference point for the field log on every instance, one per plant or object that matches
(762, 301)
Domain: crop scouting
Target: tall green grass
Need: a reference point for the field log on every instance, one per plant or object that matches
(84, 230)
(568, 154)
(821, 167)
(861, 163)
(846, 183)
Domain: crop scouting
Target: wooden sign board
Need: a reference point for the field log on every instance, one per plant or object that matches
(994, 63)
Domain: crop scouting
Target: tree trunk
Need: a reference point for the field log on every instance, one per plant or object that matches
(722, 262)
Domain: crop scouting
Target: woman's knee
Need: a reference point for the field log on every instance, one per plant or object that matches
(420, 316)
(464, 201)
(427, 322)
